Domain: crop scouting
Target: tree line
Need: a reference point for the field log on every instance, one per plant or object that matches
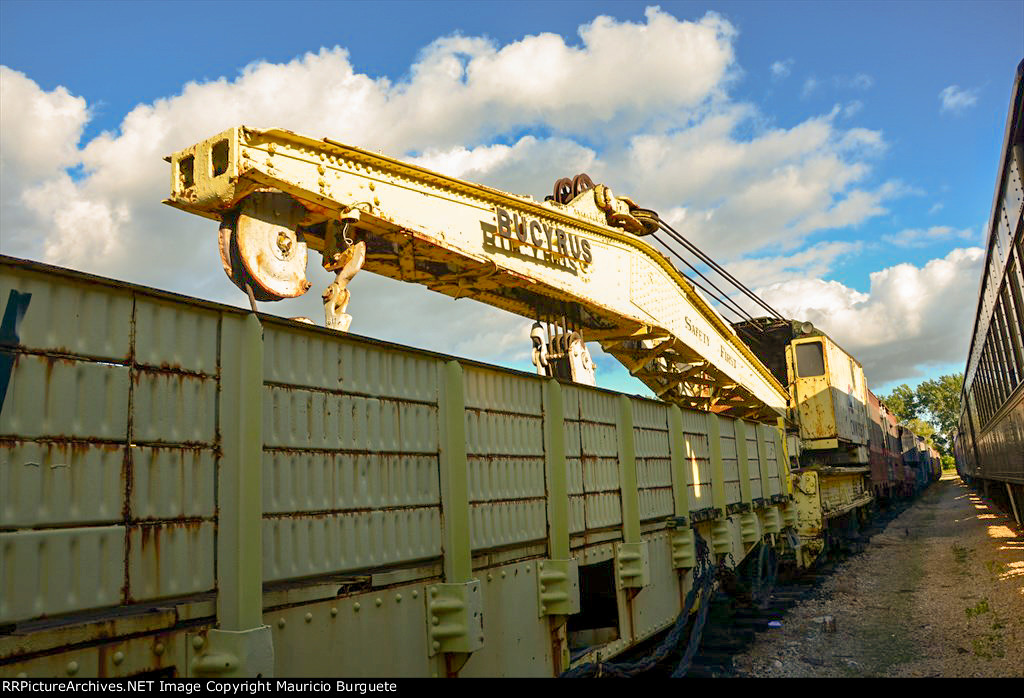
(932, 410)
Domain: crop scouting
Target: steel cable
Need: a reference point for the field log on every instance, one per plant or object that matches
(704, 578)
(723, 299)
(717, 267)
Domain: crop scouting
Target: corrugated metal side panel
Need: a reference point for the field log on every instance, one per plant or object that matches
(171, 559)
(301, 356)
(505, 452)
(771, 479)
(601, 484)
(175, 336)
(99, 367)
(653, 459)
(68, 316)
(754, 461)
(49, 572)
(173, 483)
(170, 407)
(698, 459)
(65, 399)
(350, 480)
(574, 468)
(592, 459)
(172, 506)
(731, 465)
(48, 483)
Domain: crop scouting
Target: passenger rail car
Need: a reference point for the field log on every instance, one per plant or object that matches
(989, 444)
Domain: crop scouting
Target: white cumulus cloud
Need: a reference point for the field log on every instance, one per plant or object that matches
(740, 187)
(912, 317)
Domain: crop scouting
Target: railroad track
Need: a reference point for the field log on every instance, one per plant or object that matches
(734, 624)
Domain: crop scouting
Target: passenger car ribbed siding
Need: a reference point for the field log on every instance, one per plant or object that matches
(991, 428)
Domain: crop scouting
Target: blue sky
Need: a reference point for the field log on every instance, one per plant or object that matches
(900, 106)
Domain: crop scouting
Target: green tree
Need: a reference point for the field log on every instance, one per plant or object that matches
(902, 402)
(931, 410)
(939, 399)
(922, 428)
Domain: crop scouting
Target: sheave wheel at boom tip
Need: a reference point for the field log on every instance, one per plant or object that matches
(259, 247)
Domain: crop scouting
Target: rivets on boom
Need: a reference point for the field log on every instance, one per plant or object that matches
(158, 649)
(118, 657)
(72, 668)
(309, 617)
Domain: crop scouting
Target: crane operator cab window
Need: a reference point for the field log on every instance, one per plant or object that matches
(810, 360)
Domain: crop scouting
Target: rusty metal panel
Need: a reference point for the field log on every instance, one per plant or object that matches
(730, 463)
(504, 434)
(771, 479)
(507, 500)
(170, 559)
(602, 510)
(502, 392)
(129, 655)
(295, 418)
(571, 401)
(653, 459)
(59, 571)
(51, 397)
(649, 415)
(651, 443)
(368, 480)
(505, 477)
(655, 503)
(600, 475)
(310, 481)
(303, 546)
(499, 524)
(505, 449)
(574, 462)
(171, 483)
(698, 460)
(71, 316)
(175, 335)
(50, 483)
(598, 440)
(754, 467)
(298, 481)
(302, 418)
(174, 408)
(315, 358)
(577, 514)
(596, 406)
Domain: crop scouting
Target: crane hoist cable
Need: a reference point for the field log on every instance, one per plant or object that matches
(678, 237)
(723, 298)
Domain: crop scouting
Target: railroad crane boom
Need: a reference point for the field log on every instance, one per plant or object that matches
(576, 262)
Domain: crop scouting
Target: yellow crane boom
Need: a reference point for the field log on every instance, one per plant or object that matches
(582, 265)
